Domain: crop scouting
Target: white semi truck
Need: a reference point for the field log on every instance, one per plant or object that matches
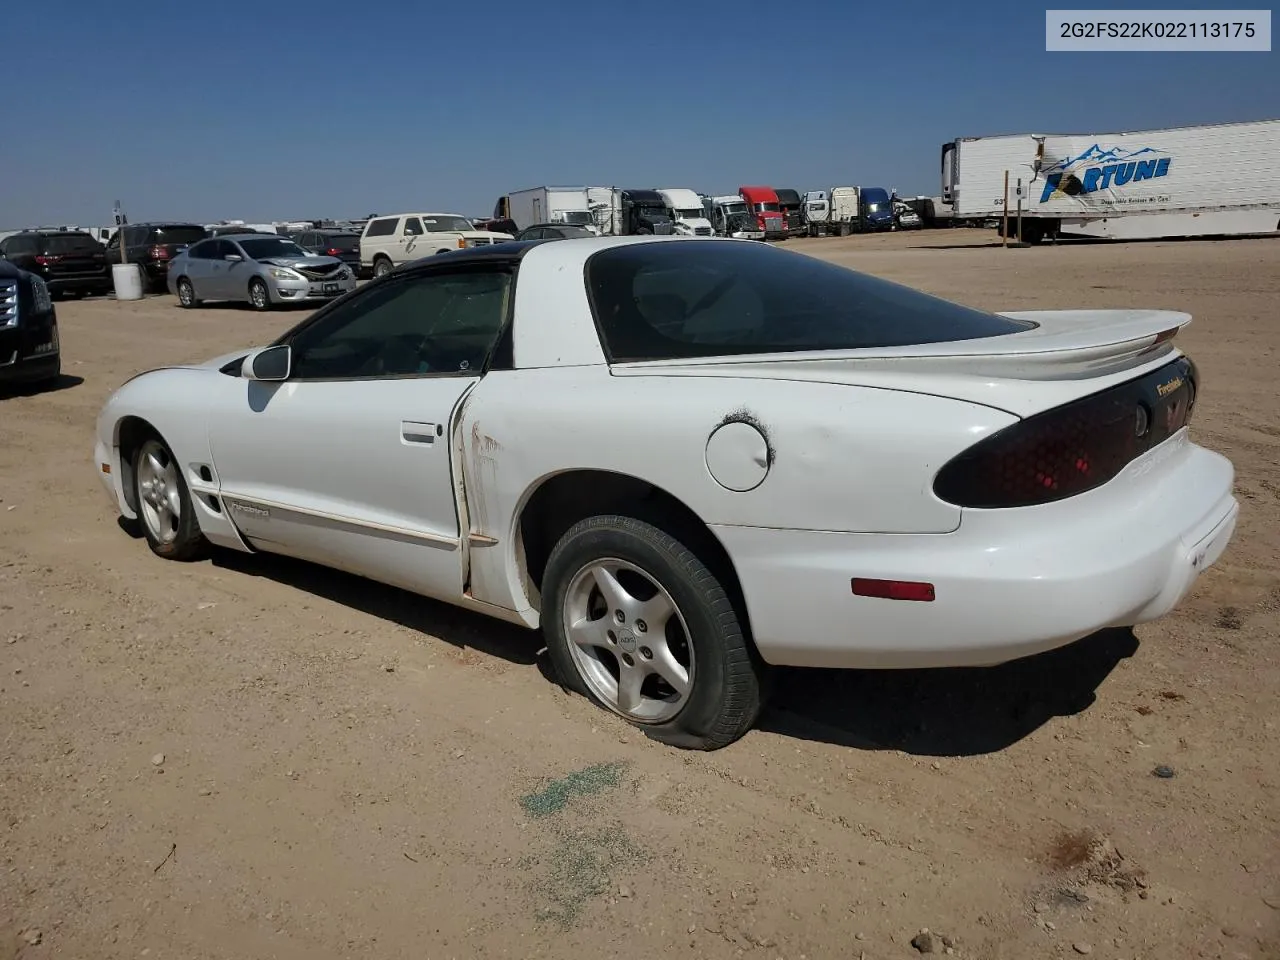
(833, 211)
(684, 207)
(1214, 180)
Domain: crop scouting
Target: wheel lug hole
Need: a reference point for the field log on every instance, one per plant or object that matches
(646, 653)
(641, 626)
(620, 616)
(628, 660)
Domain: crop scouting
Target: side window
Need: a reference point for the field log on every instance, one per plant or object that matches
(383, 228)
(412, 227)
(201, 250)
(443, 323)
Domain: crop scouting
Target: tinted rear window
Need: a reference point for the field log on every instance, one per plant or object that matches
(177, 233)
(340, 241)
(698, 298)
(70, 243)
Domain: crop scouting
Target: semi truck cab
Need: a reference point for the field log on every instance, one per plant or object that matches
(684, 207)
(763, 202)
(731, 217)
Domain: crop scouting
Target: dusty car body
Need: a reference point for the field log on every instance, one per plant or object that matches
(689, 460)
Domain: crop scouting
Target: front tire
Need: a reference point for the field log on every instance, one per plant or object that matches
(635, 621)
(381, 267)
(163, 503)
(259, 296)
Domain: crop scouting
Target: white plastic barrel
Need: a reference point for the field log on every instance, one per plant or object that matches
(128, 280)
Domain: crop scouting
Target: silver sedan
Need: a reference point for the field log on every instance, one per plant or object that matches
(257, 268)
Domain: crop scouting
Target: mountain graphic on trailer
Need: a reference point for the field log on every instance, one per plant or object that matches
(1095, 154)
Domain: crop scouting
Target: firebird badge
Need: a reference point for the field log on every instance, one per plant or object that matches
(1167, 388)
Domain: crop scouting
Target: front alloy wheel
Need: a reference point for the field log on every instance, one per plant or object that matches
(164, 503)
(258, 295)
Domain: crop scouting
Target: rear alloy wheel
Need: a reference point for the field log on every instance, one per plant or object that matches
(258, 295)
(164, 504)
(635, 621)
(187, 293)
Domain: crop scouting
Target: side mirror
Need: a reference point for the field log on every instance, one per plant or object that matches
(233, 258)
(269, 363)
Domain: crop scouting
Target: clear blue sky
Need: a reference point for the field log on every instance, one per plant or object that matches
(276, 109)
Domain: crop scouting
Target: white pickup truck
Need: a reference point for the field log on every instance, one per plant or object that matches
(399, 238)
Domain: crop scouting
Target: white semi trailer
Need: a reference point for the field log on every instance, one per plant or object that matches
(550, 205)
(1215, 180)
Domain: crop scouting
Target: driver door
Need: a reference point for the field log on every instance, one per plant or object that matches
(348, 462)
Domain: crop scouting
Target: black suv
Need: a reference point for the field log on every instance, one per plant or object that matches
(331, 242)
(153, 245)
(69, 262)
(28, 329)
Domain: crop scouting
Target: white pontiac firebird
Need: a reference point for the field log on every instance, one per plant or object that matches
(689, 460)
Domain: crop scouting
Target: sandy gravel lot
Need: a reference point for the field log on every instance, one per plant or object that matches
(254, 758)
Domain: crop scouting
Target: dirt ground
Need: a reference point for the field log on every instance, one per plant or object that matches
(255, 758)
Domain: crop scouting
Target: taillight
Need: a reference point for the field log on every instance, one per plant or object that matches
(1074, 448)
(333, 251)
(45, 260)
(159, 253)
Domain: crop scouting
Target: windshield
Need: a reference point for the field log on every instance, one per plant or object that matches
(697, 214)
(685, 299)
(269, 247)
(571, 232)
(578, 216)
(443, 223)
(177, 234)
(732, 208)
(70, 243)
(767, 207)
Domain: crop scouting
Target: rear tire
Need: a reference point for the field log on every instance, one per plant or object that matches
(163, 503)
(692, 682)
(187, 293)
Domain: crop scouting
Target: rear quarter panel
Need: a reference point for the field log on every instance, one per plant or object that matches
(843, 458)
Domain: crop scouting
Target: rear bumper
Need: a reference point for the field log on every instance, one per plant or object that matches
(96, 283)
(1008, 583)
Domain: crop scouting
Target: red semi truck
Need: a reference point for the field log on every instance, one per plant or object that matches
(763, 202)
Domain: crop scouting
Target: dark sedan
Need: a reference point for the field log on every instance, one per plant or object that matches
(342, 244)
(554, 231)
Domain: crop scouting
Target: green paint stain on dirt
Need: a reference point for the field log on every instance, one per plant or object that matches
(557, 794)
(581, 865)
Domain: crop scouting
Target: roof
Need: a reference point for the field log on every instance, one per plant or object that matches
(50, 232)
(648, 196)
(507, 250)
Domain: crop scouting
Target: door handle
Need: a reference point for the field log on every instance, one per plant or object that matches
(417, 432)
